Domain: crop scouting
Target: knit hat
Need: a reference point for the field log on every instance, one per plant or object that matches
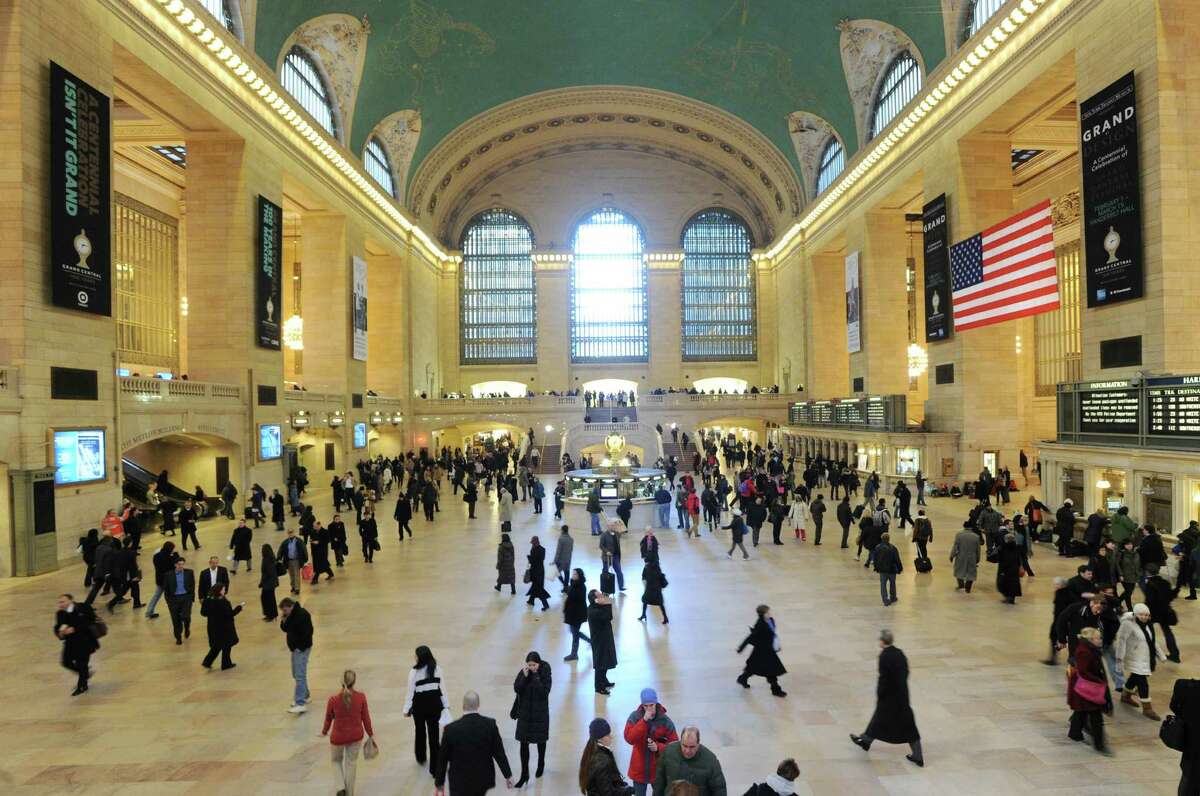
(1140, 609)
(599, 728)
(649, 696)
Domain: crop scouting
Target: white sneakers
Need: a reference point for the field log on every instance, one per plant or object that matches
(298, 709)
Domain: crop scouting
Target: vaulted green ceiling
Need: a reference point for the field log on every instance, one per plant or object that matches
(452, 59)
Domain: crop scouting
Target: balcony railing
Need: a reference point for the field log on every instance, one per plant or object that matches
(140, 389)
(308, 397)
(384, 400)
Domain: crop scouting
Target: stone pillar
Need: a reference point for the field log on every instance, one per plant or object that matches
(387, 335)
(553, 326)
(664, 291)
(828, 363)
(325, 296)
(882, 363)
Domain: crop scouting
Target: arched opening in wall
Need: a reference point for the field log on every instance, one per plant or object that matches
(609, 312)
(730, 430)
(718, 385)
(499, 389)
(322, 453)
(181, 466)
(479, 437)
(610, 386)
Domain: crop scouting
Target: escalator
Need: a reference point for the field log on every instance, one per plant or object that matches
(137, 481)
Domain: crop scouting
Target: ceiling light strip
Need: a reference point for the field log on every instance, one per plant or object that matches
(272, 96)
(955, 78)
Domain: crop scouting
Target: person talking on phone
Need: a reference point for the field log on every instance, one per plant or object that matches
(222, 630)
(648, 730)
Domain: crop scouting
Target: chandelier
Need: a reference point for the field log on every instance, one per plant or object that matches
(918, 361)
(293, 333)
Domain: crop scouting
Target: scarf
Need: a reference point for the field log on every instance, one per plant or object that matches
(780, 785)
(1148, 631)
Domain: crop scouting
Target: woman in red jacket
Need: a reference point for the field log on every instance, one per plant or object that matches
(347, 713)
(1087, 690)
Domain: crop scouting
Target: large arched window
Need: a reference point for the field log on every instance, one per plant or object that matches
(718, 289)
(609, 320)
(378, 166)
(833, 161)
(303, 80)
(497, 292)
(976, 14)
(900, 84)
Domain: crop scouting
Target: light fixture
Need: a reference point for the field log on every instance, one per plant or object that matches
(300, 419)
(1065, 477)
(293, 333)
(918, 361)
(549, 428)
(1103, 484)
(1146, 489)
(376, 418)
(1018, 343)
(397, 419)
(336, 418)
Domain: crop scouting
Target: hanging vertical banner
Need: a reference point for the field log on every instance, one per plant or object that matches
(853, 305)
(1112, 216)
(268, 298)
(80, 198)
(358, 310)
(936, 231)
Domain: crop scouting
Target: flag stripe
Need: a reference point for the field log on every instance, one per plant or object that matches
(1008, 271)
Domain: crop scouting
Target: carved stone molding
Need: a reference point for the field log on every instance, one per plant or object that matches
(399, 133)
(810, 133)
(688, 127)
(868, 47)
(339, 43)
(1065, 209)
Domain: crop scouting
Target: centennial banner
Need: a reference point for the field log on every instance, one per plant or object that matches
(936, 231)
(853, 305)
(1112, 216)
(359, 307)
(268, 297)
(80, 197)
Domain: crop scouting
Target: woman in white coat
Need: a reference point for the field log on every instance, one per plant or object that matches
(800, 517)
(1138, 653)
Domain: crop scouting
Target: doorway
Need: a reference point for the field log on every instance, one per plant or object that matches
(222, 472)
(330, 457)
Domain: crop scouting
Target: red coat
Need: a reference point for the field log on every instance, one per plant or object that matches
(1087, 666)
(348, 723)
(642, 762)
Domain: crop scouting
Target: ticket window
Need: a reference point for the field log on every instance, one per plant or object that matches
(1156, 502)
(1111, 488)
(908, 461)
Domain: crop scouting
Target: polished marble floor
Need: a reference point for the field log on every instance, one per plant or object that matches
(993, 719)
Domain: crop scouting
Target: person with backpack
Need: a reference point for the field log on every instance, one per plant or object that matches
(922, 535)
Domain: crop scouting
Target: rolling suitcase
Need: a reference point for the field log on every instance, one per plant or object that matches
(608, 583)
(923, 564)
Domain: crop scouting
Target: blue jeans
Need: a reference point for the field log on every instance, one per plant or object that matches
(158, 593)
(595, 524)
(616, 565)
(1110, 660)
(887, 583)
(300, 674)
(685, 521)
(664, 515)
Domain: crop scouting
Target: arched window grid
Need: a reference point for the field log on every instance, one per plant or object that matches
(223, 11)
(376, 161)
(900, 84)
(302, 79)
(609, 316)
(833, 162)
(497, 291)
(718, 297)
(978, 12)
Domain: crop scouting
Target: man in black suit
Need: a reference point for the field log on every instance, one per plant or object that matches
(212, 576)
(469, 745)
(179, 587)
(73, 626)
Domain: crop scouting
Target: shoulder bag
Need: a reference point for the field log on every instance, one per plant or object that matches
(1173, 733)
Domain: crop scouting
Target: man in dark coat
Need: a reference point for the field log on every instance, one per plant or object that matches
(893, 721)
(1064, 597)
(470, 744)
(817, 512)
(845, 516)
(337, 538)
(1064, 526)
(73, 626)
(604, 646)
(1158, 596)
(403, 514)
(222, 628)
(1151, 550)
(888, 566)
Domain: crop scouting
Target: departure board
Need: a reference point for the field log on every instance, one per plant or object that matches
(881, 413)
(1173, 406)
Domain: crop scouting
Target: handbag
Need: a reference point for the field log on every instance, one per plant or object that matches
(370, 749)
(1090, 690)
(528, 576)
(515, 710)
(98, 629)
(1173, 733)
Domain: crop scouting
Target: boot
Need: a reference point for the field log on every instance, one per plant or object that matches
(1127, 698)
(1148, 711)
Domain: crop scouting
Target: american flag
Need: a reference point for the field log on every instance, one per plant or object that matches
(1007, 271)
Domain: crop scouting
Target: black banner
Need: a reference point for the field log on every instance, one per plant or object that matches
(1111, 205)
(80, 197)
(268, 296)
(936, 231)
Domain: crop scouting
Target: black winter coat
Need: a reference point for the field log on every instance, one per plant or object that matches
(575, 610)
(655, 582)
(604, 646)
(764, 661)
(1008, 570)
(893, 721)
(533, 704)
(240, 542)
(537, 573)
(603, 776)
(506, 567)
(222, 632)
